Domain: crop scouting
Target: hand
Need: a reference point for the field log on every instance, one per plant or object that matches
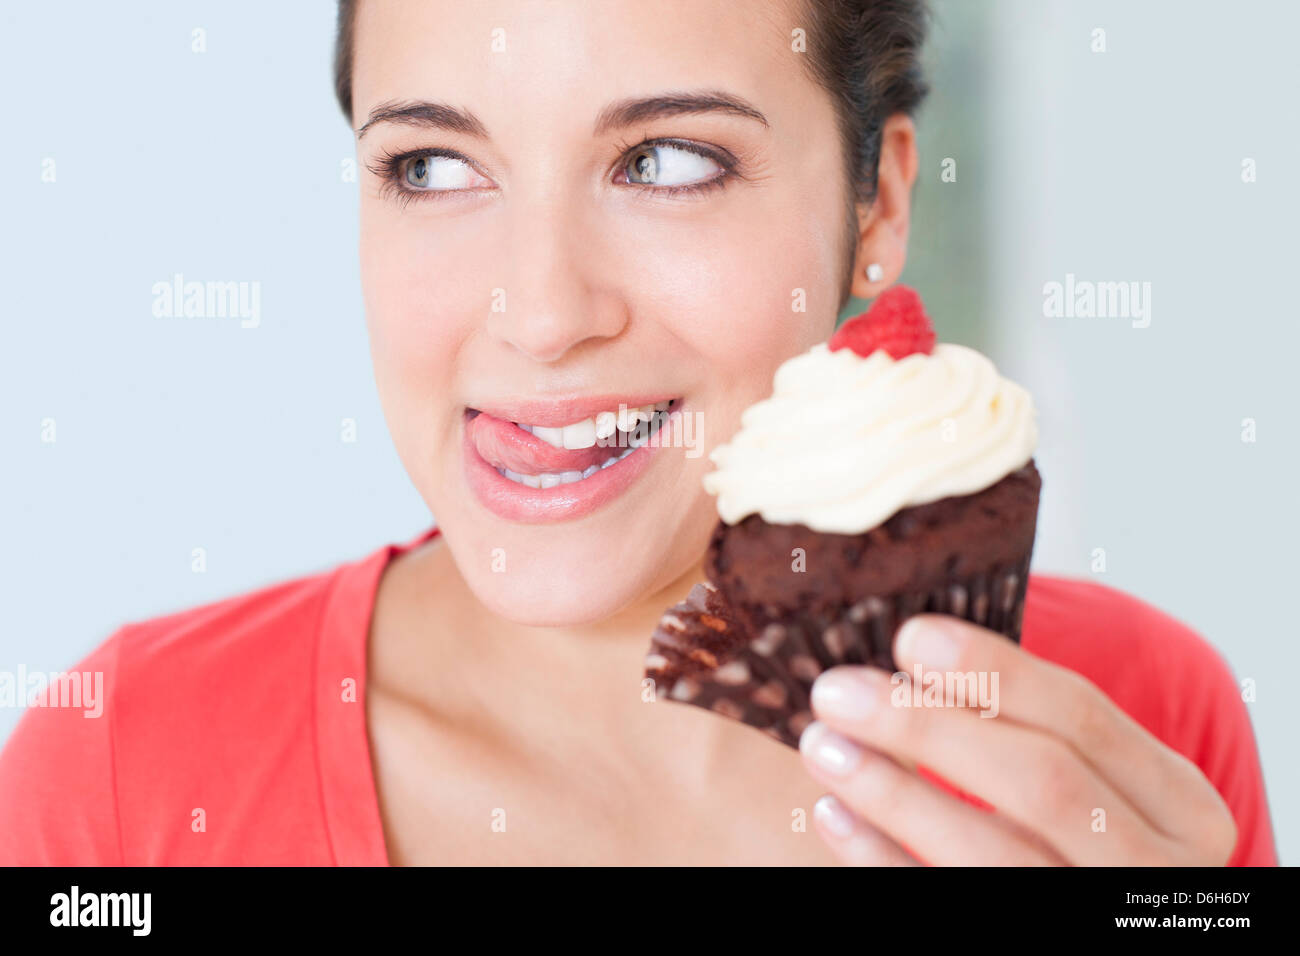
(1056, 761)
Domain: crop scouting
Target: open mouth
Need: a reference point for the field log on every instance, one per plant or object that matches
(543, 456)
(559, 467)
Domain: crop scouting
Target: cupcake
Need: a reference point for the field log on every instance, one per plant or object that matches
(886, 476)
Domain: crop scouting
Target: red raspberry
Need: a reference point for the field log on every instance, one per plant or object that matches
(896, 322)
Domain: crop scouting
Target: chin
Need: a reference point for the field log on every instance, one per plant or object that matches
(557, 586)
(578, 573)
(556, 603)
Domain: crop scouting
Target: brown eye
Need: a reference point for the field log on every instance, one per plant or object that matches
(418, 173)
(664, 165)
(645, 167)
(434, 172)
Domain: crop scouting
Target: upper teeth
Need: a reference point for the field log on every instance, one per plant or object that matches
(584, 434)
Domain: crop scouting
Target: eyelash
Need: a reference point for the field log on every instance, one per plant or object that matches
(389, 168)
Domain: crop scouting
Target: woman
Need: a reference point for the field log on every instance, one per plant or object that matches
(568, 208)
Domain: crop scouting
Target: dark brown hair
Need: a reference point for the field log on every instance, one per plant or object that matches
(866, 54)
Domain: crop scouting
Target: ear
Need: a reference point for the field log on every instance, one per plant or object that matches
(883, 225)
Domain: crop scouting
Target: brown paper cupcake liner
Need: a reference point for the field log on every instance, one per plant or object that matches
(704, 654)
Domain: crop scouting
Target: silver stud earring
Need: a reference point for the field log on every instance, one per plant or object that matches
(874, 272)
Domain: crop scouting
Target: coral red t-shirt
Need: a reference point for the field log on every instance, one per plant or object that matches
(235, 733)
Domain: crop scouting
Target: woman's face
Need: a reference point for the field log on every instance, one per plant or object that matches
(547, 233)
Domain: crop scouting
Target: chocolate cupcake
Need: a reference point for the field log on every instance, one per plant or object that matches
(886, 476)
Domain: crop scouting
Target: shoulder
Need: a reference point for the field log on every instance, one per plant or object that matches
(172, 710)
(57, 802)
(1148, 661)
(267, 627)
(1056, 604)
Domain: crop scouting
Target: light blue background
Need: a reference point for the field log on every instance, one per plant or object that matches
(174, 434)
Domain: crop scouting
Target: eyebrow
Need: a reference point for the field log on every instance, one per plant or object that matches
(642, 110)
(426, 114)
(616, 115)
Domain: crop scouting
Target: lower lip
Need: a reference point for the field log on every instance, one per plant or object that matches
(515, 502)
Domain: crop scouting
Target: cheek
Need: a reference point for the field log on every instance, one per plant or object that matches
(426, 283)
(747, 294)
(415, 302)
(400, 282)
(743, 292)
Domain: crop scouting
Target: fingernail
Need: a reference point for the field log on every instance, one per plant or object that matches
(834, 816)
(845, 695)
(925, 641)
(828, 750)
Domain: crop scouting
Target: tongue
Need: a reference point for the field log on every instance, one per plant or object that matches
(505, 445)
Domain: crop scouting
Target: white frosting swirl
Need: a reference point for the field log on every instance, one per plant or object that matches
(845, 441)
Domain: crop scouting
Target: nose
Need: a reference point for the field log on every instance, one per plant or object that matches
(555, 299)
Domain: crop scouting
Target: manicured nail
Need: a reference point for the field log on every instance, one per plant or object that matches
(828, 750)
(926, 641)
(834, 816)
(852, 695)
